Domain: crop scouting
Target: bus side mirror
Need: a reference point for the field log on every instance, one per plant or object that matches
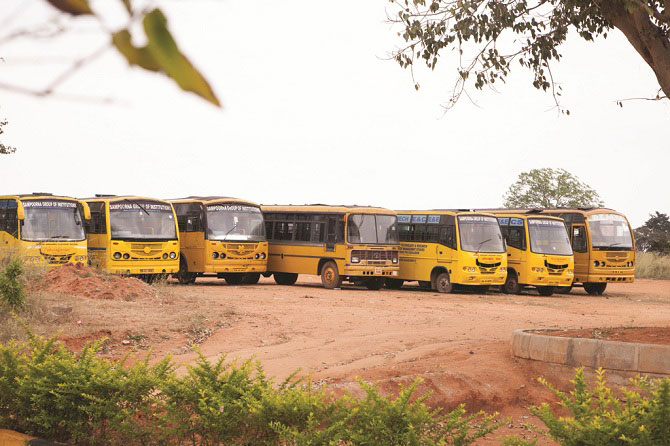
(87, 210)
(20, 214)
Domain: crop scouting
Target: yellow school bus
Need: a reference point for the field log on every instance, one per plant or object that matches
(135, 236)
(603, 245)
(353, 243)
(441, 249)
(43, 229)
(539, 253)
(222, 237)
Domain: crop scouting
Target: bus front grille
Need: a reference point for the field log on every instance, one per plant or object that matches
(145, 250)
(58, 260)
(241, 249)
(375, 256)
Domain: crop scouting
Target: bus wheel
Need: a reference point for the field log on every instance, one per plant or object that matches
(285, 278)
(375, 283)
(330, 276)
(393, 284)
(234, 279)
(512, 283)
(251, 278)
(563, 289)
(443, 283)
(546, 290)
(595, 289)
(183, 276)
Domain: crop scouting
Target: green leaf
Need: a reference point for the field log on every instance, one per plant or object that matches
(74, 7)
(164, 50)
(135, 56)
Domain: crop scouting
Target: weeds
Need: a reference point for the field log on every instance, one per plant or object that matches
(12, 288)
(649, 265)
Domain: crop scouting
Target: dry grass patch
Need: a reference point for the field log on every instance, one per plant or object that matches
(652, 266)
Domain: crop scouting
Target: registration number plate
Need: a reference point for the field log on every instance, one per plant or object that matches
(146, 270)
(378, 270)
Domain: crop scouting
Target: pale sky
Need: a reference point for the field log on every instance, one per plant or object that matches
(314, 113)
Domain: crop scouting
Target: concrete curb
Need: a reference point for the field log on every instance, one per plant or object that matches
(577, 352)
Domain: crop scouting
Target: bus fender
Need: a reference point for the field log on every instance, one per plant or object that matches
(321, 263)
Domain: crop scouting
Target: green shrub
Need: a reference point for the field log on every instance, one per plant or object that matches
(49, 392)
(12, 288)
(649, 265)
(598, 418)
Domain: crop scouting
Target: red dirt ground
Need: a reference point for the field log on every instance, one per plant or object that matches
(457, 343)
(641, 335)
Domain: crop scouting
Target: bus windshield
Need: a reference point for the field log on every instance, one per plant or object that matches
(480, 233)
(235, 222)
(548, 237)
(610, 231)
(372, 229)
(51, 220)
(142, 220)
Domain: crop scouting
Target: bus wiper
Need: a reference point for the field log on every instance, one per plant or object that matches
(481, 243)
(231, 230)
(139, 205)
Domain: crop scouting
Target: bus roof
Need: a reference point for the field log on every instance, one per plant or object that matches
(558, 210)
(211, 199)
(111, 198)
(324, 208)
(445, 212)
(527, 215)
(36, 195)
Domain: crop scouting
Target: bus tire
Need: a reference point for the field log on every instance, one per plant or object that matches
(393, 284)
(546, 291)
(443, 283)
(183, 276)
(234, 279)
(251, 278)
(285, 278)
(595, 289)
(375, 283)
(266, 274)
(330, 276)
(563, 289)
(512, 283)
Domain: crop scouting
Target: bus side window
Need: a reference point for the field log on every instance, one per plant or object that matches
(404, 233)
(578, 239)
(447, 236)
(3, 218)
(268, 229)
(433, 234)
(11, 218)
(516, 238)
(97, 224)
(420, 233)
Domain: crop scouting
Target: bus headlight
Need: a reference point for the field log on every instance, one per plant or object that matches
(503, 269)
(596, 263)
(126, 256)
(355, 259)
(215, 255)
(165, 256)
(117, 256)
(173, 255)
(257, 256)
(223, 255)
(570, 272)
(394, 260)
(263, 255)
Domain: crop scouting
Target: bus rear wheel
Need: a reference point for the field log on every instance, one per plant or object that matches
(512, 283)
(251, 278)
(234, 279)
(546, 290)
(394, 284)
(595, 289)
(443, 283)
(330, 276)
(285, 278)
(375, 283)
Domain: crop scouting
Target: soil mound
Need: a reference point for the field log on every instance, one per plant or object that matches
(80, 280)
(641, 335)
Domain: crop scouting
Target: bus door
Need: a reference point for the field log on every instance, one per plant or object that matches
(580, 248)
(331, 234)
(517, 251)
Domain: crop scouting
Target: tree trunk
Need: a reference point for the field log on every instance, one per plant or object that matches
(647, 38)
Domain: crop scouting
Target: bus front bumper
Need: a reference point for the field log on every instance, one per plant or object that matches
(549, 280)
(143, 267)
(370, 271)
(259, 266)
(477, 278)
(623, 277)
